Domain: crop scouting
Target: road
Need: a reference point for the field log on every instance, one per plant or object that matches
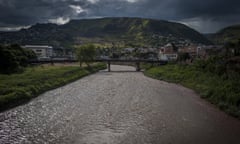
(118, 108)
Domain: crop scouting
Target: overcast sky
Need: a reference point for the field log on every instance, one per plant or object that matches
(206, 16)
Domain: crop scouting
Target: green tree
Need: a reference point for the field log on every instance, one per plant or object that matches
(175, 48)
(232, 48)
(13, 58)
(86, 54)
(182, 57)
(237, 48)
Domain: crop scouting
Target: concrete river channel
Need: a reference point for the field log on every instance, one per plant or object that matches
(119, 107)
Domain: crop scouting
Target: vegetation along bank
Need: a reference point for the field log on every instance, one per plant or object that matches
(18, 88)
(215, 79)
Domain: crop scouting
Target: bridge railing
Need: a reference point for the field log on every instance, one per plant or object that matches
(100, 60)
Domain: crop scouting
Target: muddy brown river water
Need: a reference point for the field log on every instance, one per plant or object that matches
(118, 108)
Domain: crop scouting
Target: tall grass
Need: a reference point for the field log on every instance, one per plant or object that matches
(18, 88)
(219, 90)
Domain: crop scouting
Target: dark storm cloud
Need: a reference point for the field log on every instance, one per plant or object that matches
(210, 8)
(205, 15)
(27, 12)
(209, 15)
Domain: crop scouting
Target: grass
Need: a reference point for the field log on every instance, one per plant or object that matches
(221, 91)
(16, 89)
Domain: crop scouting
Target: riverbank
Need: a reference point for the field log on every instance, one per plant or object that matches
(16, 89)
(224, 93)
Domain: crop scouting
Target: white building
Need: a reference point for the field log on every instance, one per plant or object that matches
(42, 51)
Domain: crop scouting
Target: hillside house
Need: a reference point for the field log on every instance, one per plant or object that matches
(168, 52)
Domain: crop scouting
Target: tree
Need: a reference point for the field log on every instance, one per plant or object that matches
(182, 57)
(175, 48)
(13, 58)
(237, 48)
(86, 53)
(230, 49)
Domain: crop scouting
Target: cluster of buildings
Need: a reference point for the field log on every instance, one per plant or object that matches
(169, 52)
(46, 52)
(128, 53)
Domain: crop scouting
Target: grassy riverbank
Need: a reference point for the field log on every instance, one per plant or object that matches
(18, 88)
(219, 90)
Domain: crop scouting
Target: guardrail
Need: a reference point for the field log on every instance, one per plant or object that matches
(100, 60)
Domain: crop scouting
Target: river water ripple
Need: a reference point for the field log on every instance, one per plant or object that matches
(118, 107)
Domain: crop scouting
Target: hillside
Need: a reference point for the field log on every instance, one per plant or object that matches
(126, 31)
(227, 34)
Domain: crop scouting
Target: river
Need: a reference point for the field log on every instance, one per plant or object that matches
(120, 107)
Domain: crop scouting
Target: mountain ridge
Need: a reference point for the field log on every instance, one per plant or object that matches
(227, 34)
(140, 31)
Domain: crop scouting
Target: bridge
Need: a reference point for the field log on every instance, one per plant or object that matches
(108, 61)
(136, 61)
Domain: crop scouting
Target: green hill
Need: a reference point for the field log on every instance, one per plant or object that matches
(126, 31)
(228, 34)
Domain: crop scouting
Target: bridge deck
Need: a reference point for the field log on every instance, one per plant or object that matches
(103, 60)
(130, 60)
